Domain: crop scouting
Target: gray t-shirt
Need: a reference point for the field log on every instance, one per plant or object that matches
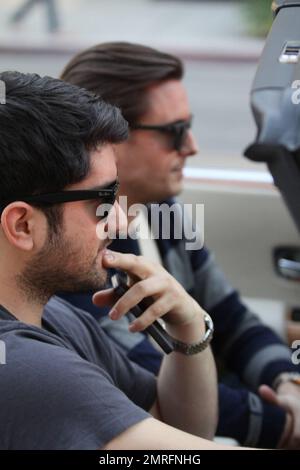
(66, 385)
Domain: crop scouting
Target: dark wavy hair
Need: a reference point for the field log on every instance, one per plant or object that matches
(47, 130)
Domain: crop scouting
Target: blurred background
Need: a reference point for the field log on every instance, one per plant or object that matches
(219, 41)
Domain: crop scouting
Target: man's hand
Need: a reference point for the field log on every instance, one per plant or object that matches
(171, 300)
(191, 379)
(288, 398)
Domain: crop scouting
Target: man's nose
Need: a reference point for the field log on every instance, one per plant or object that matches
(190, 146)
(117, 220)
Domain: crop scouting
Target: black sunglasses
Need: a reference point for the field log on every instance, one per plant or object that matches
(178, 130)
(105, 195)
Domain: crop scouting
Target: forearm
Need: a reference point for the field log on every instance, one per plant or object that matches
(187, 386)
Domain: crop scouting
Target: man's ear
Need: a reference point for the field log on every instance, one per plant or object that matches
(18, 223)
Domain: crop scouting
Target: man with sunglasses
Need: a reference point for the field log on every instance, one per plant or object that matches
(147, 86)
(64, 384)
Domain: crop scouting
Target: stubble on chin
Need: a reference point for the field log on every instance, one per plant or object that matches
(59, 268)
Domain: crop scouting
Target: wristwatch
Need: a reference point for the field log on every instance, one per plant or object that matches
(195, 348)
(293, 377)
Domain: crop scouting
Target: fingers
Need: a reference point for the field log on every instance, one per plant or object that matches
(292, 441)
(292, 438)
(268, 394)
(295, 442)
(133, 265)
(150, 279)
(287, 432)
(284, 401)
(149, 287)
(105, 297)
(155, 311)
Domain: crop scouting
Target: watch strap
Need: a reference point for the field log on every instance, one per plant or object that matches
(195, 348)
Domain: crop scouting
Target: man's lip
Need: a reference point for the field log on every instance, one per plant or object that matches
(178, 168)
(103, 248)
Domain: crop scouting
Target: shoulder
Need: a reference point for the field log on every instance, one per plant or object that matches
(78, 327)
(52, 398)
(32, 353)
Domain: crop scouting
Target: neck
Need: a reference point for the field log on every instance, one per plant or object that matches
(18, 303)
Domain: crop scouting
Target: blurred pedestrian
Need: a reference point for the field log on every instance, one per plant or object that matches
(21, 12)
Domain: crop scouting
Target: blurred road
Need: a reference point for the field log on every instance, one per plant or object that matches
(206, 27)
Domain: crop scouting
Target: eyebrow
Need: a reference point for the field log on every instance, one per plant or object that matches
(190, 116)
(104, 186)
(165, 124)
